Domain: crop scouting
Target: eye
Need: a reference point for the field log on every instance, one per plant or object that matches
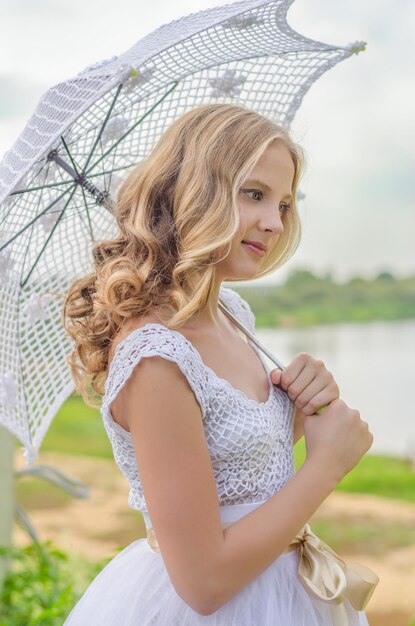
(284, 207)
(252, 191)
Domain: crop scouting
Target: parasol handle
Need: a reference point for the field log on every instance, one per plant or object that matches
(259, 345)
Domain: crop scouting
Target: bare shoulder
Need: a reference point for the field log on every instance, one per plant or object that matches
(118, 405)
(128, 327)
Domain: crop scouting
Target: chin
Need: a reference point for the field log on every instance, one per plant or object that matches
(245, 274)
(241, 270)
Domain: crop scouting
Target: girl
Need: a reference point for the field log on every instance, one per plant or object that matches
(201, 429)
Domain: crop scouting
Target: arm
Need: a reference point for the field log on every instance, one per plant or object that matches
(207, 564)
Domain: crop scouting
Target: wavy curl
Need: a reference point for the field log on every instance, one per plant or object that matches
(177, 215)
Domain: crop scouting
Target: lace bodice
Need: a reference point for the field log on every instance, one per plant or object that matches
(250, 442)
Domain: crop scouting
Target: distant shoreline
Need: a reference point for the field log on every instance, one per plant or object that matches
(293, 322)
(306, 299)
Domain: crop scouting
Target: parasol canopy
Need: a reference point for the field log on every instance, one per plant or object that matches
(59, 180)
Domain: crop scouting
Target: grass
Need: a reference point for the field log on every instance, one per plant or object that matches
(42, 584)
(78, 430)
(35, 495)
(367, 535)
(375, 474)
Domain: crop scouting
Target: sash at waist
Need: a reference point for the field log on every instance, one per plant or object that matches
(322, 572)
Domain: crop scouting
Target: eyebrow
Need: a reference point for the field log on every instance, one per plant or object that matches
(259, 182)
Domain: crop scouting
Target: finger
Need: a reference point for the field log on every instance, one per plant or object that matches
(292, 371)
(275, 376)
(322, 381)
(303, 380)
(319, 401)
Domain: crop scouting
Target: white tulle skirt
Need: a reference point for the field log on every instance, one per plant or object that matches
(134, 589)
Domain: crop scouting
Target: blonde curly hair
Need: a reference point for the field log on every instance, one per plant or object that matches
(177, 215)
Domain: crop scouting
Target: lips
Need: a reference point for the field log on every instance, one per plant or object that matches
(255, 249)
(257, 244)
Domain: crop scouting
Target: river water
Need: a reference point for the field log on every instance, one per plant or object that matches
(374, 366)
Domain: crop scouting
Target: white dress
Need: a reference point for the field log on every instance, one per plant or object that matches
(251, 450)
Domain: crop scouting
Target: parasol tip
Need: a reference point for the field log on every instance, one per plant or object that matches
(357, 46)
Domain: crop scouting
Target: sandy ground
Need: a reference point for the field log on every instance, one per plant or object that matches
(97, 526)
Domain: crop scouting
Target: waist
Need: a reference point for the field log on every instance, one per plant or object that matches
(228, 512)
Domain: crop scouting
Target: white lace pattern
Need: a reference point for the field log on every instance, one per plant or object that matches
(250, 443)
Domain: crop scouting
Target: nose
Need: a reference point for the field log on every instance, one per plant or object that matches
(273, 222)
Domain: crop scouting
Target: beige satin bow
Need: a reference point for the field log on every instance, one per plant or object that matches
(323, 573)
(331, 579)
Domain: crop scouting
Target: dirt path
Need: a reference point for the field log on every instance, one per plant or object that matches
(96, 527)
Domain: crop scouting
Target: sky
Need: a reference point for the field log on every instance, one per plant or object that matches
(356, 123)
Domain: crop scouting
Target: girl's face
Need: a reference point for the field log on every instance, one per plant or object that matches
(263, 200)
